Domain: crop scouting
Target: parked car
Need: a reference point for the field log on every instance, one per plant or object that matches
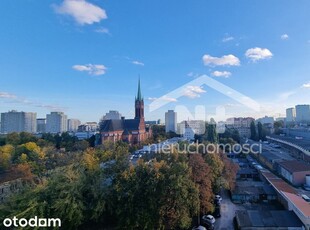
(217, 211)
(218, 197)
(199, 228)
(306, 187)
(208, 222)
(208, 219)
(217, 200)
(306, 198)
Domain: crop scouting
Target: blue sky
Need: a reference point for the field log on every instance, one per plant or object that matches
(84, 57)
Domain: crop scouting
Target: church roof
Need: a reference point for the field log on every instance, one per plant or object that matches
(118, 125)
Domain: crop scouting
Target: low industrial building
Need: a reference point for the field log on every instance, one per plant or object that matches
(290, 198)
(269, 159)
(294, 171)
(253, 192)
(247, 173)
(271, 220)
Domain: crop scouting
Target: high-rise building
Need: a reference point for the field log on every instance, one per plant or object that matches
(112, 115)
(73, 125)
(241, 124)
(302, 113)
(56, 122)
(14, 121)
(290, 115)
(41, 125)
(171, 121)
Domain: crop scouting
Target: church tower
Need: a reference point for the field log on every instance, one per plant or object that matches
(139, 104)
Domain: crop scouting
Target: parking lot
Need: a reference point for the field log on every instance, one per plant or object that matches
(228, 209)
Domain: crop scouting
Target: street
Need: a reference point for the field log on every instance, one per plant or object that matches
(225, 222)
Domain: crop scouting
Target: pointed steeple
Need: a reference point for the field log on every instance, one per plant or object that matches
(139, 97)
(139, 104)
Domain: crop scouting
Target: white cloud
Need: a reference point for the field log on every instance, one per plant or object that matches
(227, 39)
(190, 74)
(7, 95)
(193, 91)
(224, 74)
(82, 11)
(285, 95)
(137, 63)
(51, 107)
(13, 99)
(103, 31)
(164, 98)
(306, 85)
(256, 54)
(224, 60)
(284, 37)
(91, 69)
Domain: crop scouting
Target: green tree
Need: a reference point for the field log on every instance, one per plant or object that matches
(27, 137)
(13, 139)
(216, 168)
(211, 132)
(253, 131)
(201, 175)
(80, 145)
(92, 141)
(2, 141)
(6, 153)
(278, 125)
(74, 194)
(230, 133)
(160, 195)
(261, 132)
(229, 172)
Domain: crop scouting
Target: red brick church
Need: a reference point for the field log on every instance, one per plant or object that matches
(132, 131)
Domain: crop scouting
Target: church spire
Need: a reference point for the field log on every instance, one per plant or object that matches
(139, 104)
(139, 97)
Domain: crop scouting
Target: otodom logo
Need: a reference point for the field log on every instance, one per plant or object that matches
(32, 222)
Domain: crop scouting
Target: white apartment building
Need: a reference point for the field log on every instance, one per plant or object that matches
(302, 113)
(73, 125)
(290, 114)
(41, 125)
(14, 121)
(56, 122)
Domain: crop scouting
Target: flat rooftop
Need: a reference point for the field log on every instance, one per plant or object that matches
(288, 192)
(278, 218)
(295, 166)
(254, 190)
(300, 203)
(304, 143)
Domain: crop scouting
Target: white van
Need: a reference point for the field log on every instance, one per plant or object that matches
(306, 198)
